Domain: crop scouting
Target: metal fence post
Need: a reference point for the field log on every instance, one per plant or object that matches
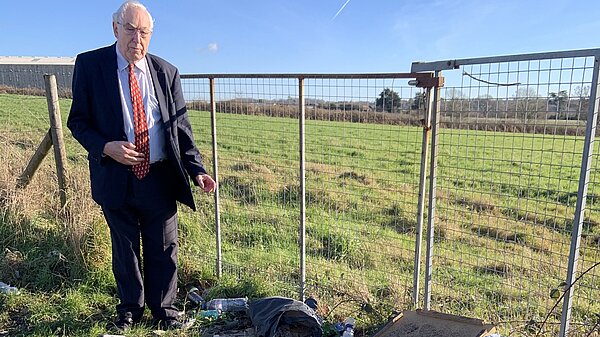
(301, 117)
(60, 155)
(432, 190)
(213, 122)
(421, 201)
(584, 178)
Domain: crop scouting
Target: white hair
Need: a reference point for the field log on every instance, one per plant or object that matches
(120, 13)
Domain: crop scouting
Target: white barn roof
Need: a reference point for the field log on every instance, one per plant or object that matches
(41, 60)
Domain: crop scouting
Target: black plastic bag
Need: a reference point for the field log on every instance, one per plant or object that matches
(273, 313)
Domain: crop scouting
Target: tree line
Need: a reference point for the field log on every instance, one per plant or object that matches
(524, 103)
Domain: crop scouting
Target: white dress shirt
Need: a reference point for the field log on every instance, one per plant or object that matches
(156, 134)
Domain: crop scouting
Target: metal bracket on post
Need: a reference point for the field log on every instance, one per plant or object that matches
(427, 82)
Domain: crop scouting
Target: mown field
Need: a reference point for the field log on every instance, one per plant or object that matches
(504, 217)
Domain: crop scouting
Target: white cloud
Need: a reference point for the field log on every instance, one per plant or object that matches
(213, 47)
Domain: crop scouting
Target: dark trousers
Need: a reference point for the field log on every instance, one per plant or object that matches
(146, 273)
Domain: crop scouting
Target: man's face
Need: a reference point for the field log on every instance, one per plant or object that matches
(133, 34)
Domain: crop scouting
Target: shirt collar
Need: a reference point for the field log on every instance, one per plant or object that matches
(122, 63)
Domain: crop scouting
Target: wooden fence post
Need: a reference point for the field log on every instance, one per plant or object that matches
(54, 137)
(60, 155)
(35, 161)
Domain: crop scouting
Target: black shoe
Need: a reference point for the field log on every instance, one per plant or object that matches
(124, 322)
(169, 324)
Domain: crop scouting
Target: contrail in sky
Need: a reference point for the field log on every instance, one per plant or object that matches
(341, 9)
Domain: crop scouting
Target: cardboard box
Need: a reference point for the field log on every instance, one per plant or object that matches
(421, 323)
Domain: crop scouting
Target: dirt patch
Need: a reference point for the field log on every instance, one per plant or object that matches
(251, 167)
(481, 204)
(355, 176)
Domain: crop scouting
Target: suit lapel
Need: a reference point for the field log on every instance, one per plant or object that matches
(109, 73)
(159, 80)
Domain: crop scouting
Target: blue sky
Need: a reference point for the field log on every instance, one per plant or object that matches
(294, 36)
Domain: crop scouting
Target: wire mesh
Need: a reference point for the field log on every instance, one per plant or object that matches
(510, 149)
(25, 124)
(258, 173)
(362, 149)
(24, 118)
(363, 163)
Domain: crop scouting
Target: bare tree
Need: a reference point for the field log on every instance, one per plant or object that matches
(526, 102)
(484, 103)
(582, 94)
(453, 99)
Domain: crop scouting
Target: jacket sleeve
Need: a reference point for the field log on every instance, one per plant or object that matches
(80, 120)
(190, 155)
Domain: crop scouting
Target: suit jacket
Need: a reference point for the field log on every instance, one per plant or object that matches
(96, 117)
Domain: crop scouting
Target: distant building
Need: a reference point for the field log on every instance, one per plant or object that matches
(28, 71)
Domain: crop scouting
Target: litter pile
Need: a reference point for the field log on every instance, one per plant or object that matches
(285, 317)
(268, 317)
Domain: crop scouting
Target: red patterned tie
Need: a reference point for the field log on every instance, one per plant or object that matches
(142, 144)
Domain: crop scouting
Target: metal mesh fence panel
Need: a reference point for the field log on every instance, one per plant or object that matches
(257, 148)
(511, 139)
(363, 160)
(362, 150)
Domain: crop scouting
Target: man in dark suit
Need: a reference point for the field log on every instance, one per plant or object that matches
(129, 113)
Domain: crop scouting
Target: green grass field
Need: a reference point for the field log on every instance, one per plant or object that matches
(504, 215)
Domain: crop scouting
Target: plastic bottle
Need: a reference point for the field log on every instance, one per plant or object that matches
(7, 289)
(194, 296)
(227, 304)
(214, 314)
(348, 327)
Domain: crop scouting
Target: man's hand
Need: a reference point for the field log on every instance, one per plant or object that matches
(123, 152)
(207, 184)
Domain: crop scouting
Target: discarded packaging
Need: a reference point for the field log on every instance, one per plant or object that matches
(193, 295)
(227, 304)
(348, 327)
(209, 314)
(7, 289)
(423, 323)
(276, 316)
